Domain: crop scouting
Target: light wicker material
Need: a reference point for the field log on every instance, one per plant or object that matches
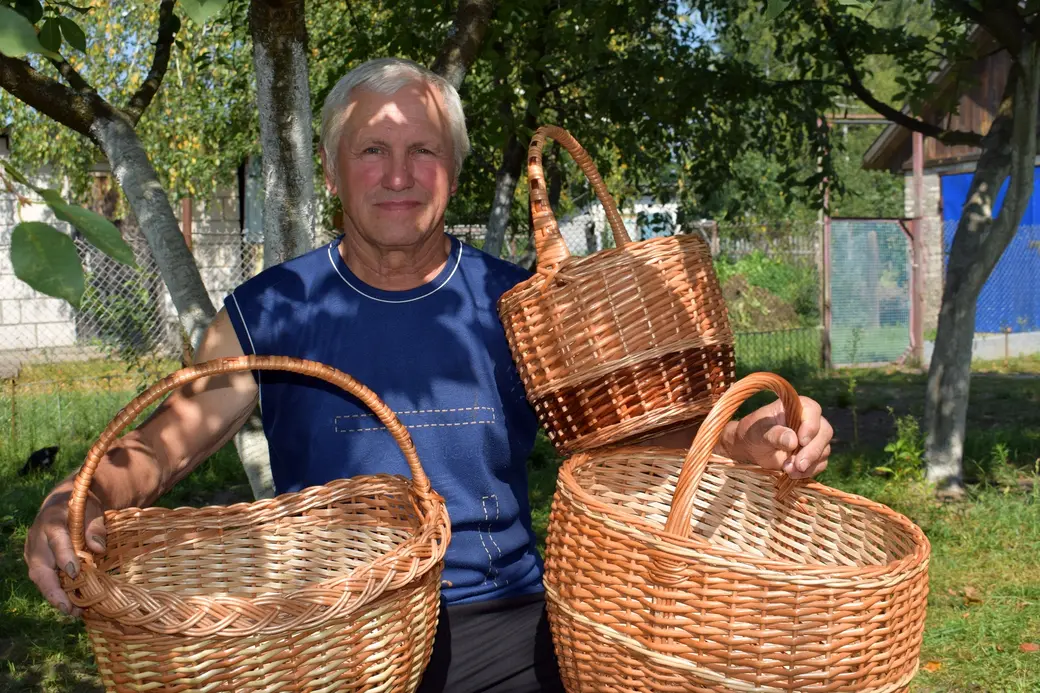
(332, 588)
(664, 573)
(624, 343)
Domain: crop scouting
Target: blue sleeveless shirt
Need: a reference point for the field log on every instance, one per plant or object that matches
(437, 355)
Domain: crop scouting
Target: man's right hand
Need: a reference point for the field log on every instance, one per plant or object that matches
(48, 548)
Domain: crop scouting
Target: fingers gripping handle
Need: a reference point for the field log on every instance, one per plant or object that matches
(550, 247)
(708, 437)
(81, 485)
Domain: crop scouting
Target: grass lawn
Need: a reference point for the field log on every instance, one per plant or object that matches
(984, 603)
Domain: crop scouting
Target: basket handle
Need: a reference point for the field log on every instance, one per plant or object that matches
(549, 245)
(126, 416)
(708, 436)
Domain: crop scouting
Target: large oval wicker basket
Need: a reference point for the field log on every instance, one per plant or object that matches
(333, 588)
(666, 573)
(621, 344)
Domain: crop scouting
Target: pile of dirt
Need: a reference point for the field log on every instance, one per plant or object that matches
(754, 309)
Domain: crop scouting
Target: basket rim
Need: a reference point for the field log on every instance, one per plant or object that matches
(678, 546)
(578, 262)
(107, 596)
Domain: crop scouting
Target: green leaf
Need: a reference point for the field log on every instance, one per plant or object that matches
(73, 34)
(50, 35)
(30, 9)
(17, 35)
(97, 229)
(74, 8)
(13, 172)
(201, 11)
(775, 7)
(46, 259)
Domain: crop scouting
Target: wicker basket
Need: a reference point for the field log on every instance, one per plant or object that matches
(669, 574)
(333, 588)
(621, 344)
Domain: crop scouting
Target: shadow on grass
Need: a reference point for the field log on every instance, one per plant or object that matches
(45, 653)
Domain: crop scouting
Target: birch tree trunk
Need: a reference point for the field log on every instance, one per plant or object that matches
(286, 136)
(506, 178)
(151, 207)
(1009, 148)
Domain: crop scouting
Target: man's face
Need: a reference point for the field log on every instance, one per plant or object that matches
(394, 166)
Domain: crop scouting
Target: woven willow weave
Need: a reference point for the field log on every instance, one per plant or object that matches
(665, 573)
(624, 343)
(333, 588)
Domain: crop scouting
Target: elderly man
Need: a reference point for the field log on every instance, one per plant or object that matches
(410, 312)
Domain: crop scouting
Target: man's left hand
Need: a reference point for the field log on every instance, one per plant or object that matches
(762, 437)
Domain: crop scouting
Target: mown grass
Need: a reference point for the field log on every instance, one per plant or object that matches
(985, 571)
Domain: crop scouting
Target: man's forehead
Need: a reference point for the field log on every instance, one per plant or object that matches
(415, 104)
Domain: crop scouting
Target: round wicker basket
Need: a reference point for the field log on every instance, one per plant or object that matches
(621, 344)
(665, 573)
(333, 588)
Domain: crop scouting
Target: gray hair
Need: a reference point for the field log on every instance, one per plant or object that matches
(387, 76)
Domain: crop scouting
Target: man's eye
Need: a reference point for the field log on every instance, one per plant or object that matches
(371, 150)
(423, 150)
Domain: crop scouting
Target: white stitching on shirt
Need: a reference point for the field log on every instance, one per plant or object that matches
(336, 420)
(420, 411)
(430, 425)
(259, 380)
(491, 563)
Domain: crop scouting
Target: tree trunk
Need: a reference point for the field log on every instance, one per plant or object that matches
(464, 41)
(283, 102)
(506, 179)
(1008, 149)
(151, 207)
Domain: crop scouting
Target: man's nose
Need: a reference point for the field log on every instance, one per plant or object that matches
(398, 173)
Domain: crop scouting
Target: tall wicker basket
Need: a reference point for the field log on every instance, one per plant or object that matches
(623, 343)
(333, 588)
(665, 573)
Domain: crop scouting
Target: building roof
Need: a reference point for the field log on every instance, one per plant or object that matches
(893, 139)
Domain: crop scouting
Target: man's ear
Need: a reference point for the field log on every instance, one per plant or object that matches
(330, 180)
(454, 187)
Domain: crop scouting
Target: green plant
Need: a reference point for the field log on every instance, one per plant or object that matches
(796, 284)
(906, 451)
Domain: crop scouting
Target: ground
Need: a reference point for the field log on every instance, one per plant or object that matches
(984, 605)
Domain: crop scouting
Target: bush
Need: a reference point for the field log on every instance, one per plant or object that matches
(797, 284)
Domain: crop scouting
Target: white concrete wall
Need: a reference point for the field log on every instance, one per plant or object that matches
(993, 347)
(29, 319)
(31, 323)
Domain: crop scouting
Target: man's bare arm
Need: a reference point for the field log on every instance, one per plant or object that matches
(189, 426)
(184, 430)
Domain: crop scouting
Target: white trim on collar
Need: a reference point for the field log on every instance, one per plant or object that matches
(406, 300)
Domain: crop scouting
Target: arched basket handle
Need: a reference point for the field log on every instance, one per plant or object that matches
(708, 437)
(549, 245)
(126, 416)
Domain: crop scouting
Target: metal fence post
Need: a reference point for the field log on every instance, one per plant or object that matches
(825, 294)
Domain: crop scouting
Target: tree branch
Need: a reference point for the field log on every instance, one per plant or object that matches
(948, 137)
(74, 78)
(465, 38)
(168, 26)
(73, 109)
(581, 75)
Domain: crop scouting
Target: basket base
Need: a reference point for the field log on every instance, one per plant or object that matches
(369, 651)
(592, 663)
(637, 401)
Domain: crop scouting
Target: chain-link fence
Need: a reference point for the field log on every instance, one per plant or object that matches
(64, 373)
(769, 274)
(1010, 299)
(870, 262)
